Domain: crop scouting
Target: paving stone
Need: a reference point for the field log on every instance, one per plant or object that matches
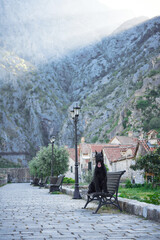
(31, 213)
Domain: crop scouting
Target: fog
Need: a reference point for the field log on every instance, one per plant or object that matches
(37, 30)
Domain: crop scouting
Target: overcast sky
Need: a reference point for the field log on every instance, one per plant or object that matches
(149, 8)
(46, 28)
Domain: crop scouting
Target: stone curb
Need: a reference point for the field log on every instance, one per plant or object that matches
(148, 211)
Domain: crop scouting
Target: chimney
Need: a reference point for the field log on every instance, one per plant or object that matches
(130, 134)
(141, 136)
(82, 140)
(152, 137)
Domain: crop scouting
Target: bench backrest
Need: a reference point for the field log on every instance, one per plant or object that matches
(60, 180)
(113, 179)
(45, 180)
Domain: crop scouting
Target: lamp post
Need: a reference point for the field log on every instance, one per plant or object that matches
(74, 115)
(52, 140)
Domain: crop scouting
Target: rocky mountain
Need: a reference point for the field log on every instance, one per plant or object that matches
(104, 76)
(35, 100)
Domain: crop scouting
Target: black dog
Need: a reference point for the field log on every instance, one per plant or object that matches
(99, 182)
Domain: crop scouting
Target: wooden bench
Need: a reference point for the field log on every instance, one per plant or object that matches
(58, 185)
(35, 181)
(113, 179)
(43, 183)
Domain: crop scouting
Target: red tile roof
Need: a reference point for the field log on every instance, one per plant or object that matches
(126, 140)
(152, 131)
(114, 152)
(87, 148)
(148, 147)
(97, 147)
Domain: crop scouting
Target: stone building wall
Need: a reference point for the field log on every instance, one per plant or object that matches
(134, 176)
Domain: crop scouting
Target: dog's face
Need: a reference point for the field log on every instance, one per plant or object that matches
(99, 159)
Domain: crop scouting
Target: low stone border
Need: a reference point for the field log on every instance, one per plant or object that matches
(148, 211)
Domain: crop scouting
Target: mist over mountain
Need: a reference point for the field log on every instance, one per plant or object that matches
(51, 59)
(39, 29)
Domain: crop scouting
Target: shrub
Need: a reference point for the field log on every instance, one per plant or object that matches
(153, 72)
(128, 184)
(154, 123)
(128, 112)
(94, 139)
(5, 163)
(125, 121)
(142, 104)
(68, 180)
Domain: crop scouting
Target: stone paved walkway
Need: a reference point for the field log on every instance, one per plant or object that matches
(27, 212)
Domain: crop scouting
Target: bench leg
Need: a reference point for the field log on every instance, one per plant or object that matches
(86, 202)
(116, 203)
(99, 205)
(119, 206)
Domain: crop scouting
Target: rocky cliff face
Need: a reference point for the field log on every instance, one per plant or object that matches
(35, 100)
(103, 77)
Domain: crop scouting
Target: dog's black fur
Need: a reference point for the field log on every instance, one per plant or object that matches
(99, 182)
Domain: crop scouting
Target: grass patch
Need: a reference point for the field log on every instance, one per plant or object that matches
(56, 192)
(141, 194)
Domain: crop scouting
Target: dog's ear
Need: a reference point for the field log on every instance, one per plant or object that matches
(102, 152)
(95, 152)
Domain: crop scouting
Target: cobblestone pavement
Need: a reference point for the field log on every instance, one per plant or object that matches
(27, 212)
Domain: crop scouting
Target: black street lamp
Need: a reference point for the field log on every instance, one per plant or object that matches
(74, 115)
(52, 140)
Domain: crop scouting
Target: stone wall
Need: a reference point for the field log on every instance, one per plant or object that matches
(16, 175)
(3, 179)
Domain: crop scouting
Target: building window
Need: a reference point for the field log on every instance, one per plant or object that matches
(71, 169)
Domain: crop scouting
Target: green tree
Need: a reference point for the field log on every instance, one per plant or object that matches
(40, 165)
(154, 123)
(150, 163)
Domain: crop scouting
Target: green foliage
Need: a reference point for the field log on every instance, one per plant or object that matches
(142, 104)
(128, 112)
(106, 167)
(153, 93)
(139, 84)
(41, 163)
(153, 198)
(56, 192)
(150, 163)
(141, 192)
(94, 139)
(128, 183)
(154, 123)
(4, 163)
(68, 180)
(153, 72)
(106, 140)
(125, 121)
